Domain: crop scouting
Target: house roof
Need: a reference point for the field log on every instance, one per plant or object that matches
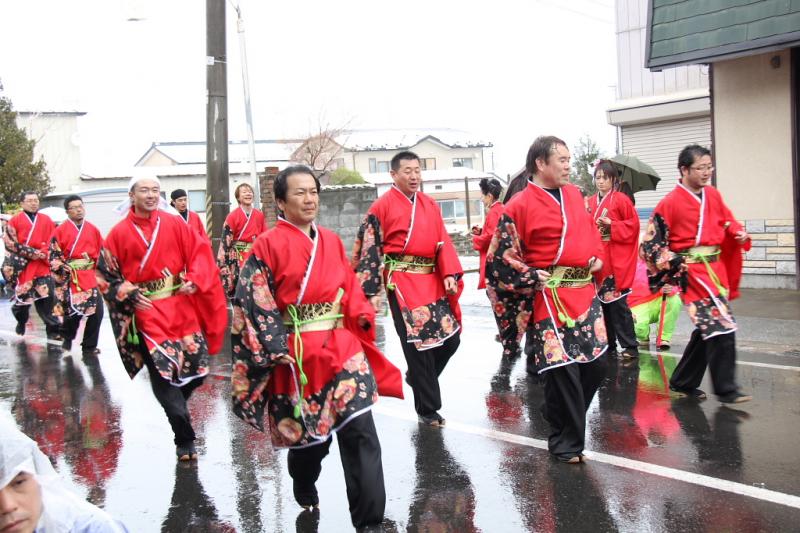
(51, 112)
(363, 140)
(428, 176)
(194, 152)
(683, 32)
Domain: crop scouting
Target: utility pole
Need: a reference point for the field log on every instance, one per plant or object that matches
(217, 192)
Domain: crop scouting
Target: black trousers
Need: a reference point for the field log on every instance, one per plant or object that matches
(717, 353)
(44, 307)
(92, 330)
(360, 451)
(619, 325)
(424, 367)
(173, 400)
(568, 392)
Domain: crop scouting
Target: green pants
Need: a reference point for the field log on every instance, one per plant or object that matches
(648, 313)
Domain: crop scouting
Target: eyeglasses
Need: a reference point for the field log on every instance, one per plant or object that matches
(703, 168)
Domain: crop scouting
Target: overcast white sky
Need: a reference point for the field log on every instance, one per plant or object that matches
(506, 70)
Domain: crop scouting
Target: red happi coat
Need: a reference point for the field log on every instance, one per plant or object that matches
(289, 268)
(621, 252)
(238, 227)
(73, 243)
(244, 228)
(703, 220)
(398, 225)
(556, 234)
(195, 223)
(146, 249)
(481, 242)
(23, 238)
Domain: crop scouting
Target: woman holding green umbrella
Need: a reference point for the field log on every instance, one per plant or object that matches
(618, 223)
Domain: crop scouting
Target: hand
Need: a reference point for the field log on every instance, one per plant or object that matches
(604, 221)
(595, 265)
(741, 236)
(376, 303)
(140, 301)
(188, 288)
(543, 275)
(666, 289)
(39, 255)
(450, 285)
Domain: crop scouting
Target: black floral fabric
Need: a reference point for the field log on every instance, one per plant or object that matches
(367, 255)
(229, 261)
(582, 343)
(512, 314)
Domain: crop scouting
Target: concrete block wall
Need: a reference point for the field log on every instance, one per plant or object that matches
(772, 261)
(342, 207)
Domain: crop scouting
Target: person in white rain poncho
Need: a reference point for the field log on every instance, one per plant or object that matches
(32, 496)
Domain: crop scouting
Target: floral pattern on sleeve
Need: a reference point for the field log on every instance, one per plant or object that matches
(505, 267)
(367, 258)
(228, 261)
(663, 265)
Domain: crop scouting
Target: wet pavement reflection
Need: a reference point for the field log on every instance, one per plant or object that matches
(486, 471)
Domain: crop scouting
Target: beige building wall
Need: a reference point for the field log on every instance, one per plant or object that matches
(56, 137)
(444, 155)
(753, 155)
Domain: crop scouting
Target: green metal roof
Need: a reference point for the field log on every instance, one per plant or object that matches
(702, 31)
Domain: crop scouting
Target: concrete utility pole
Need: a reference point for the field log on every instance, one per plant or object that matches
(217, 192)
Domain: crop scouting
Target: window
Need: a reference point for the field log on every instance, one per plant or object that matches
(437, 187)
(465, 162)
(373, 165)
(197, 201)
(448, 211)
(428, 163)
(383, 166)
(453, 209)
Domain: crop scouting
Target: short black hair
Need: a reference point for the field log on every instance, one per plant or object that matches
(609, 170)
(518, 184)
(23, 194)
(405, 155)
(491, 186)
(541, 148)
(71, 198)
(690, 154)
(281, 184)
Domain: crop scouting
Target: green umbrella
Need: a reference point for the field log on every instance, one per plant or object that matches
(640, 176)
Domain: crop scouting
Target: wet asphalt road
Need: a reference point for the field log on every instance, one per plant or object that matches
(657, 463)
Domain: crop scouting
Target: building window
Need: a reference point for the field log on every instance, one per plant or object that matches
(437, 187)
(465, 162)
(453, 209)
(373, 164)
(197, 201)
(428, 163)
(383, 166)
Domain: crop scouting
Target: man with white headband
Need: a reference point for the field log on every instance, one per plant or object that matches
(32, 497)
(165, 302)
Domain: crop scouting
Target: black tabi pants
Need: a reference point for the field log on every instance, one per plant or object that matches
(424, 367)
(360, 452)
(508, 335)
(717, 353)
(173, 400)
(568, 392)
(44, 307)
(92, 330)
(619, 325)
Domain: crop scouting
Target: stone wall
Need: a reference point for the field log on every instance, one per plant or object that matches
(463, 244)
(342, 207)
(771, 262)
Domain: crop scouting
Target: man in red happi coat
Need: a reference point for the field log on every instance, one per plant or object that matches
(180, 201)
(547, 247)
(404, 245)
(74, 251)
(27, 241)
(242, 226)
(165, 302)
(618, 223)
(693, 241)
(304, 355)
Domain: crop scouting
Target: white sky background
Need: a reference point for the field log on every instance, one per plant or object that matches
(506, 70)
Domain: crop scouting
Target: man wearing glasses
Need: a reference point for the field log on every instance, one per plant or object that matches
(74, 251)
(693, 241)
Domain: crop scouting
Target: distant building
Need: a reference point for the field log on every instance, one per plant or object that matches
(57, 142)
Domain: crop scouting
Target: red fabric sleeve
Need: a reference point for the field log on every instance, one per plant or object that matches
(625, 221)
(481, 242)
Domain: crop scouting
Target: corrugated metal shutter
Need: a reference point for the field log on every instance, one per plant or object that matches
(658, 144)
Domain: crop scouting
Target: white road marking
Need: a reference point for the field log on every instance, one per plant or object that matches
(630, 464)
(744, 363)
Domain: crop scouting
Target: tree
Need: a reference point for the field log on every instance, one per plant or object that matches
(584, 155)
(345, 176)
(18, 171)
(321, 147)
